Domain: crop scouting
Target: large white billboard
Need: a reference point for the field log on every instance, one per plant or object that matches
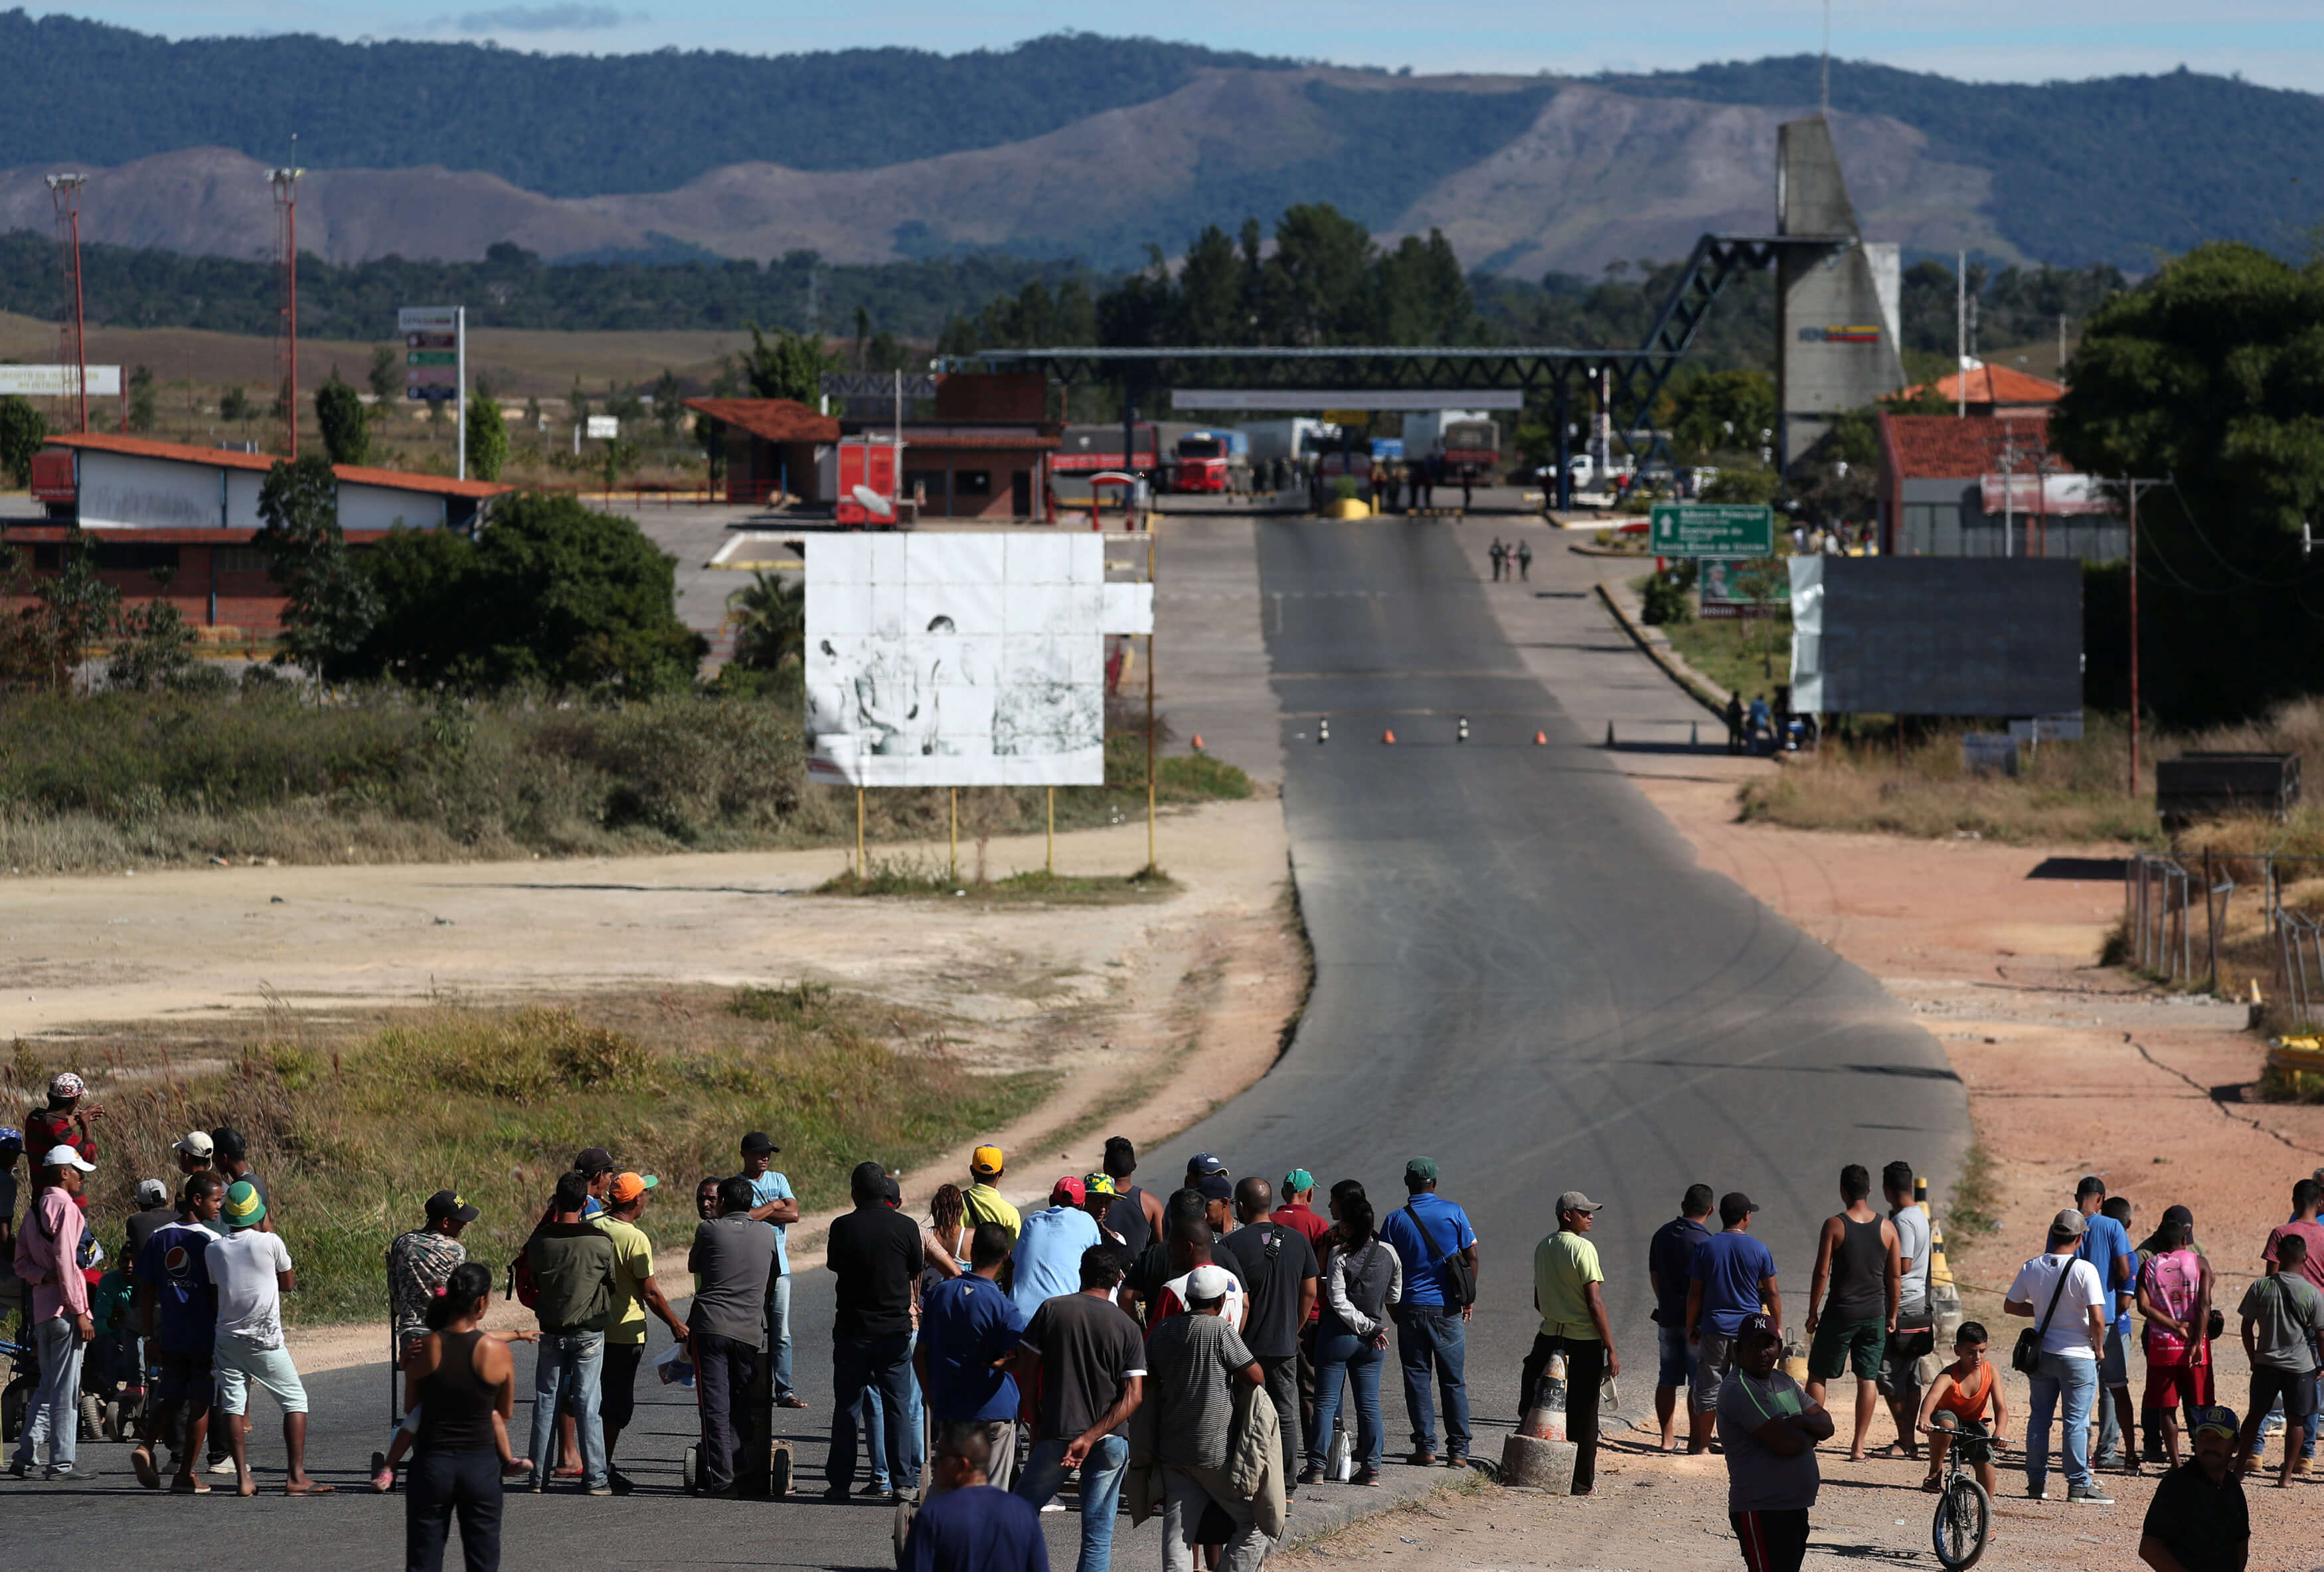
(961, 660)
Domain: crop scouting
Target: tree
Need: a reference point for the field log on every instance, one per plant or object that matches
(788, 365)
(769, 615)
(141, 398)
(22, 430)
(1211, 287)
(386, 377)
(1424, 295)
(330, 604)
(153, 648)
(339, 411)
(1320, 280)
(74, 607)
(234, 404)
(1721, 411)
(569, 597)
(488, 438)
(668, 404)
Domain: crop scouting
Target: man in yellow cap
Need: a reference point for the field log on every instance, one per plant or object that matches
(980, 1203)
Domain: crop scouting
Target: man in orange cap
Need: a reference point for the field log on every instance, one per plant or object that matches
(634, 1293)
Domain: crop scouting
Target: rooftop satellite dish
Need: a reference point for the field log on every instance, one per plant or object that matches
(877, 506)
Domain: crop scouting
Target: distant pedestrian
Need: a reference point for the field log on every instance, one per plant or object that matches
(1433, 1238)
(1083, 1355)
(773, 1204)
(1363, 1282)
(967, 1524)
(1914, 1335)
(2106, 1245)
(875, 1254)
(1857, 1254)
(251, 1270)
(1731, 1278)
(981, 1203)
(1768, 1428)
(1135, 1214)
(1567, 1290)
(1048, 1257)
(2175, 1293)
(1733, 715)
(178, 1310)
(1761, 723)
(2283, 1313)
(47, 1258)
(969, 1329)
(1279, 1264)
(574, 1267)
(1193, 1361)
(2199, 1521)
(2064, 1296)
(732, 1256)
(1524, 561)
(2307, 1199)
(1499, 554)
(1669, 1254)
(635, 1293)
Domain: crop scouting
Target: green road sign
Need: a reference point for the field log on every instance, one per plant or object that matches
(431, 357)
(1688, 529)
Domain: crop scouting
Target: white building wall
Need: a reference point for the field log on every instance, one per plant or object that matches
(119, 491)
(241, 498)
(383, 507)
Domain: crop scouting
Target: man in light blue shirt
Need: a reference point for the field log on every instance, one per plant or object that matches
(1431, 1320)
(772, 1203)
(2106, 1245)
(1050, 1245)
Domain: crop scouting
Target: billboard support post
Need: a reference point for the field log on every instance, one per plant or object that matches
(955, 835)
(861, 872)
(1052, 863)
(1150, 711)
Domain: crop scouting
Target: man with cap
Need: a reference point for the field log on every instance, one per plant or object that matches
(1566, 1290)
(1427, 1233)
(419, 1263)
(192, 1150)
(1768, 1427)
(1297, 1209)
(1047, 1254)
(597, 1165)
(1185, 1423)
(65, 1120)
(47, 1257)
(773, 1204)
(251, 1270)
(153, 1211)
(2198, 1520)
(1204, 1165)
(1135, 1214)
(1732, 1276)
(2068, 1302)
(980, 1203)
(1217, 1191)
(230, 1156)
(1098, 1196)
(634, 1293)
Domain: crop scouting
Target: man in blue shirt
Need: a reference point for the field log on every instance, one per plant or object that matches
(1670, 1259)
(177, 1307)
(2106, 1245)
(1049, 1247)
(1732, 1276)
(969, 1332)
(966, 1525)
(1428, 1233)
(772, 1203)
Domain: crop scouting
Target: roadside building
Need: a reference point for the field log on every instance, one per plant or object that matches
(773, 447)
(1994, 391)
(175, 522)
(1989, 486)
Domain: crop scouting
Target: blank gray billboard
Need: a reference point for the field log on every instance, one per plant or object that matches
(1936, 635)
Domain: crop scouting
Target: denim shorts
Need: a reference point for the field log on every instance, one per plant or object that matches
(1677, 1357)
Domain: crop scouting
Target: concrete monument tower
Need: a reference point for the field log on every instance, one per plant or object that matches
(1837, 305)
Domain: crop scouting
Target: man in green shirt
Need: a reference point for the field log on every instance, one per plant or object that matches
(635, 1293)
(1565, 1290)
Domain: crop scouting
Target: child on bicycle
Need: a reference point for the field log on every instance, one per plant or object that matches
(1964, 1392)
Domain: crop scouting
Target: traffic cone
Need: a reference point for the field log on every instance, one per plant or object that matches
(1388, 736)
(1541, 739)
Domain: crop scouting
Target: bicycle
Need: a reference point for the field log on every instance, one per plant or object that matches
(1964, 1515)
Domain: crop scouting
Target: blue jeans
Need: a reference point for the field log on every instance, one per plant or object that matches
(1102, 1473)
(581, 1356)
(1426, 1336)
(54, 1413)
(870, 1416)
(2076, 1382)
(858, 1364)
(778, 1331)
(1340, 1353)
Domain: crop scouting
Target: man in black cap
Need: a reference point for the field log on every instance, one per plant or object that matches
(1768, 1427)
(419, 1264)
(773, 1204)
(230, 1157)
(598, 1164)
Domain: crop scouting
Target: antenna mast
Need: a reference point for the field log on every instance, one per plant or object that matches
(285, 181)
(65, 190)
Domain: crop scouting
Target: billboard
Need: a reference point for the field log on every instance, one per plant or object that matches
(1726, 589)
(1713, 529)
(1936, 635)
(961, 660)
(59, 382)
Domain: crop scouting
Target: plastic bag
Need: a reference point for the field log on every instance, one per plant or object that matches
(674, 1368)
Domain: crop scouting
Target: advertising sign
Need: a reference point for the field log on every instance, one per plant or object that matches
(961, 660)
(605, 427)
(428, 319)
(1691, 529)
(59, 382)
(1742, 589)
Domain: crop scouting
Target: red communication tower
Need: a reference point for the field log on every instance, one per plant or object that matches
(285, 183)
(72, 342)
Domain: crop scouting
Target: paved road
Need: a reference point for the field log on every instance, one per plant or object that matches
(1520, 971)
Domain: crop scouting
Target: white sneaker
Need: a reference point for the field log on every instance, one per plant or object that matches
(223, 1465)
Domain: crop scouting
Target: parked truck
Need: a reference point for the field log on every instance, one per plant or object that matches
(1466, 442)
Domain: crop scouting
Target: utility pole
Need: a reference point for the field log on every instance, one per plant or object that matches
(2008, 487)
(1960, 338)
(2134, 486)
(66, 190)
(285, 183)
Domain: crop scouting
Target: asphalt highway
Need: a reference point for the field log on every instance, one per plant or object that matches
(1520, 972)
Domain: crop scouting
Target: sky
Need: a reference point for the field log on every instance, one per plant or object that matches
(2277, 42)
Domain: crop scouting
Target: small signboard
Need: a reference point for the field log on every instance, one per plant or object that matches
(1690, 528)
(59, 382)
(428, 319)
(607, 427)
(1728, 588)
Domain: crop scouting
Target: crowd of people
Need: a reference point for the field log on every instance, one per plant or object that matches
(1198, 1356)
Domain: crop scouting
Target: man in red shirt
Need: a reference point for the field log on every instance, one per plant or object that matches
(1298, 1211)
(64, 1122)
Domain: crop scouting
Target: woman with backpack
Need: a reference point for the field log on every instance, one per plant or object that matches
(1362, 1278)
(2174, 1295)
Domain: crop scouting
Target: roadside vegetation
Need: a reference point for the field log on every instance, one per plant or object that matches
(356, 1128)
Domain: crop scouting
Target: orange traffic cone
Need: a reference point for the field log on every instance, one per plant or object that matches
(1388, 736)
(1198, 742)
(1541, 739)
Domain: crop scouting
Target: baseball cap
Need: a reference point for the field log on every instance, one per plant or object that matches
(67, 1084)
(1755, 1325)
(892, 1192)
(63, 1156)
(1734, 1206)
(1071, 1189)
(757, 1145)
(1098, 1184)
(447, 1205)
(1575, 1201)
(152, 1193)
(12, 1139)
(628, 1187)
(1214, 1186)
(1296, 1181)
(2067, 1224)
(243, 1207)
(196, 1144)
(986, 1159)
(2221, 1419)
(1420, 1170)
(1208, 1283)
(594, 1161)
(1204, 1162)
(226, 1142)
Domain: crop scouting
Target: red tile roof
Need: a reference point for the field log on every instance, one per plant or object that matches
(1948, 447)
(771, 419)
(1995, 384)
(225, 458)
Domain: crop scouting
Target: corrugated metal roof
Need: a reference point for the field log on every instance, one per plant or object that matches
(225, 458)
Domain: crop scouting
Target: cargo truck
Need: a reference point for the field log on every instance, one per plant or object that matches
(1467, 442)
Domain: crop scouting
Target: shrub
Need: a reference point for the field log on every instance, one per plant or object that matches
(1665, 602)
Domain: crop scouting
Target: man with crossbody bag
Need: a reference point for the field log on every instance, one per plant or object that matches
(1433, 1238)
(2060, 1357)
(1278, 1265)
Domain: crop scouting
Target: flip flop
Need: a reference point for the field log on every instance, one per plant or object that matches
(148, 1476)
(188, 1487)
(1933, 1485)
(309, 1489)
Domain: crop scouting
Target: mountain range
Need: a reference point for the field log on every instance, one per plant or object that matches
(1098, 148)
